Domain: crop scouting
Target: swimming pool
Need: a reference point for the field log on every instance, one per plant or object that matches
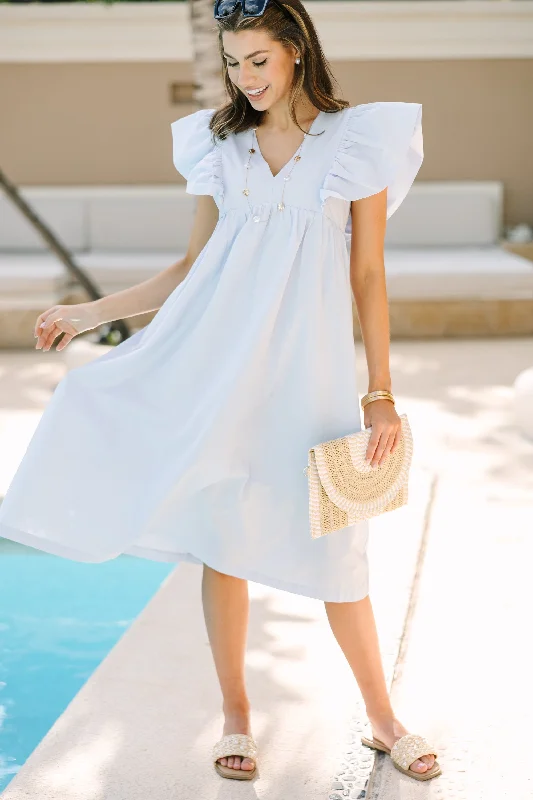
(58, 621)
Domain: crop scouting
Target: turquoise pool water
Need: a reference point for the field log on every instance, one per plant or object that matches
(58, 620)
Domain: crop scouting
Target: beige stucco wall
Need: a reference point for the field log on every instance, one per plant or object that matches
(109, 123)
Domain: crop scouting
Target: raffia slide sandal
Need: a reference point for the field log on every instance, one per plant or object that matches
(406, 750)
(235, 744)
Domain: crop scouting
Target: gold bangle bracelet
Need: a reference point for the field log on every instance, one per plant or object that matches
(377, 391)
(380, 394)
(373, 399)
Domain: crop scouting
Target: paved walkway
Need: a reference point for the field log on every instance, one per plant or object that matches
(465, 678)
(140, 724)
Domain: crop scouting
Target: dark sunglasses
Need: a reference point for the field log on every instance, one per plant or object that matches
(250, 8)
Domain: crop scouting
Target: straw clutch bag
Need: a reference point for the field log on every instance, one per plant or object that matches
(343, 489)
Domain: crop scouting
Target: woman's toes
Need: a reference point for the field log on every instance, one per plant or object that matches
(419, 766)
(236, 762)
(429, 760)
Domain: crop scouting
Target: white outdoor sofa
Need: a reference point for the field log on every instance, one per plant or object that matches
(447, 271)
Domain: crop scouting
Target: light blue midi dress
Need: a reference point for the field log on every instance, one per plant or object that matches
(188, 441)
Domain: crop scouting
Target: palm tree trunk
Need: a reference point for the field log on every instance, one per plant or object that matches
(207, 72)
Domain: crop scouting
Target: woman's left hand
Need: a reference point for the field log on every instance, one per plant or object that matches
(386, 426)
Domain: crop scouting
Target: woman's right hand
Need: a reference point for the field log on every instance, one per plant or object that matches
(69, 320)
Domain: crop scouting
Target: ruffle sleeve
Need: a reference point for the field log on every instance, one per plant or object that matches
(195, 155)
(381, 146)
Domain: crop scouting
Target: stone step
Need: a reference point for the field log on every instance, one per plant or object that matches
(422, 319)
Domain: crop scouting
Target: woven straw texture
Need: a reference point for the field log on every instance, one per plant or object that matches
(343, 489)
(235, 744)
(410, 747)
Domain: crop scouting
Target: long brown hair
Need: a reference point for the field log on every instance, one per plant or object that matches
(288, 22)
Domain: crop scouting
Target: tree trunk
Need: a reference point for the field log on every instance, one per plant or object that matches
(207, 71)
(58, 249)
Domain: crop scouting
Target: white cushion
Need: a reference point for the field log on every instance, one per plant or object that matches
(448, 213)
(429, 273)
(139, 218)
(88, 218)
(61, 209)
(447, 273)
(159, 218)
(112, 271)
(31, 273)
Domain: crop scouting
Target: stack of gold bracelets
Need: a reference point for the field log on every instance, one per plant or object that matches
(379, 394)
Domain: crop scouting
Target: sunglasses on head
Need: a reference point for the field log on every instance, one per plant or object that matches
(250, 8)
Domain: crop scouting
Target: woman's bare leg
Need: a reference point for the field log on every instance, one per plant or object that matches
(354, 628)
(226, 610)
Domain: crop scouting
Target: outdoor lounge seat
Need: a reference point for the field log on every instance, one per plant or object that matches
(447, 271)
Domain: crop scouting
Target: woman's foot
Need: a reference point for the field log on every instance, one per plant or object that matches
(237, 722)
(389, 731)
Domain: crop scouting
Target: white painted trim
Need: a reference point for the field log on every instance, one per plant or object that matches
(94, 32)
(425, 29)
(363, 30)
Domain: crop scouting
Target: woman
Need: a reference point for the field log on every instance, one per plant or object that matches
(188, 440)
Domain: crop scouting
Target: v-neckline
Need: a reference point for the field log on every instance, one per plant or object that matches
(284, 167)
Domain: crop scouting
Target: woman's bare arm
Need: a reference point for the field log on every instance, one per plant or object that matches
(367, 275)
(149, 295)
(152, 293)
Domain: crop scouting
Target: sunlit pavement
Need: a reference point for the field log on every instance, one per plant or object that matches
(464, 680)
(148, 716)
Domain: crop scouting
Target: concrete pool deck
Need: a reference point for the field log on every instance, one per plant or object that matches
(146, 719)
